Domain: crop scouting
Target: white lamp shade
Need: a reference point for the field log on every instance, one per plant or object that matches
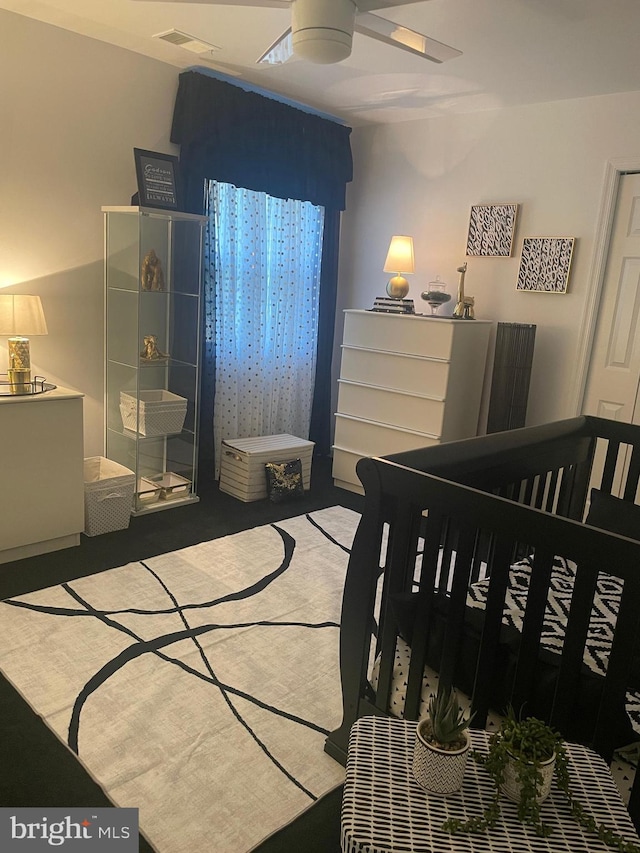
(400, 255)
(21, 315)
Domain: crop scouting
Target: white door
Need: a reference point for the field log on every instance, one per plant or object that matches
(614, 372)
(613, 379)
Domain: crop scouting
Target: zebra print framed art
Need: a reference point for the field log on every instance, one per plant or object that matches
(491, 230)
(545, 264)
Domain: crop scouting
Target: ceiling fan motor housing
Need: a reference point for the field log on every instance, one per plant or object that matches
(322, 30)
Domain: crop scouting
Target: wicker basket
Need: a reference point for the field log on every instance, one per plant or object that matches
(108, 495)
(153, 412)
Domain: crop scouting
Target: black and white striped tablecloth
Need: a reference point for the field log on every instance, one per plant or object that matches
(384, 809)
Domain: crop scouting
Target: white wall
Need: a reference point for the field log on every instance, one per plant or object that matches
(71, 111)
(422, 177)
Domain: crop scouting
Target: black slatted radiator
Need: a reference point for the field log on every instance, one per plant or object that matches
(511, 376)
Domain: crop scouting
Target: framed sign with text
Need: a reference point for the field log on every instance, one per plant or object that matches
(158, 179)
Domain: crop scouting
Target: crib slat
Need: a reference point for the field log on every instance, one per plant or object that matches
(528, 491)
(532, 623)
(540, 484)
(551, 494)
(465, 548)
(567, 480)
(401, 551)
(574, 482)
(425, 609)
(610, 463)
(500, 563)
(633, 474)
(575, 638)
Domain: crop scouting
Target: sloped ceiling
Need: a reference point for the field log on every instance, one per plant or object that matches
(514, 51)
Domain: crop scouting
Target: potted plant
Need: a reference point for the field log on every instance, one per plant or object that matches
(523, 758)
(442, 744)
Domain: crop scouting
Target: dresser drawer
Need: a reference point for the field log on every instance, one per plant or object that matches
(374, 439)
(407, 334)
(420, 414)
(417, 374)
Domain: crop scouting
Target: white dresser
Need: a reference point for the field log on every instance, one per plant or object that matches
(41, 459)
(406, 381)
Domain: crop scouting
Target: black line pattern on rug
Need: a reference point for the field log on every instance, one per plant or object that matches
(326, 534)
(241, 594)
(155, 645)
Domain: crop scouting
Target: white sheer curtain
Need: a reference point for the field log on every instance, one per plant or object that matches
(263, 278)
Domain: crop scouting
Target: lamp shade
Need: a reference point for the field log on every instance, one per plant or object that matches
(400, 255)
(21, 315)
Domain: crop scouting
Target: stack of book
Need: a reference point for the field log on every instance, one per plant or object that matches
(393, 306)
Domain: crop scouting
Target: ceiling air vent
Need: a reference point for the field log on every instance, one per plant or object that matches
(186, 41)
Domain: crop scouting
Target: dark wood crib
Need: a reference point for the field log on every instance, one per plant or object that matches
(443, 522)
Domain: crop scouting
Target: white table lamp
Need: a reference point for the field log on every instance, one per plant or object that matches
(20, 317)
(399, 260)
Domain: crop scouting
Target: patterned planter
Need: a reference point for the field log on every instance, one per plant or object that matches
(511, 785)
(440, 771)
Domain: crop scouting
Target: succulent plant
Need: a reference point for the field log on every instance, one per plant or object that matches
(446, 717)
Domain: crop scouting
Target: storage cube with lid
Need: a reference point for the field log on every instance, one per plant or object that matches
(242, 471)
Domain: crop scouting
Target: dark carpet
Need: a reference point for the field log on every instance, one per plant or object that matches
(38, 770)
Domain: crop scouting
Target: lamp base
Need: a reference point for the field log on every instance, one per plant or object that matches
(19, 381)
(19, 365)
(397, 287)
(19, 355)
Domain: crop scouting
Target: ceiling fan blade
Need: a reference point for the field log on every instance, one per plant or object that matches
(280, 4)
(281, 50)
(368, 5)
(398, 36)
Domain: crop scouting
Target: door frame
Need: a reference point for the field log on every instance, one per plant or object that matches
(614, 170)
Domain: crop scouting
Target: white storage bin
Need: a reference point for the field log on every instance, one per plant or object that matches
(147, 491)
(242, 471)
(173, 486)
(160, 412)
(108, 495)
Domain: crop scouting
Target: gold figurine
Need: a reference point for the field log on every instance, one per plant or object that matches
(151, 275)
(464, 305)
(151, 351)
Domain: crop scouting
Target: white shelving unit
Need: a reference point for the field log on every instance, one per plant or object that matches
(152, 335)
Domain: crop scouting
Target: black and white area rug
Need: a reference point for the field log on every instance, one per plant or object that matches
(197, 686)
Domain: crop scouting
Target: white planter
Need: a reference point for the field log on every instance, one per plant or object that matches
(511, 785)
(440, 771)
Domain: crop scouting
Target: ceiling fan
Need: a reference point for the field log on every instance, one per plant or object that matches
(321, 31)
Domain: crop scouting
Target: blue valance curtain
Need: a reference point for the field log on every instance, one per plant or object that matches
(255, 142)
(231, 135)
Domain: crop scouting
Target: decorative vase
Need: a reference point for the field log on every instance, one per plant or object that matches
(440, 771)
(436, 295)
(511, 785)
